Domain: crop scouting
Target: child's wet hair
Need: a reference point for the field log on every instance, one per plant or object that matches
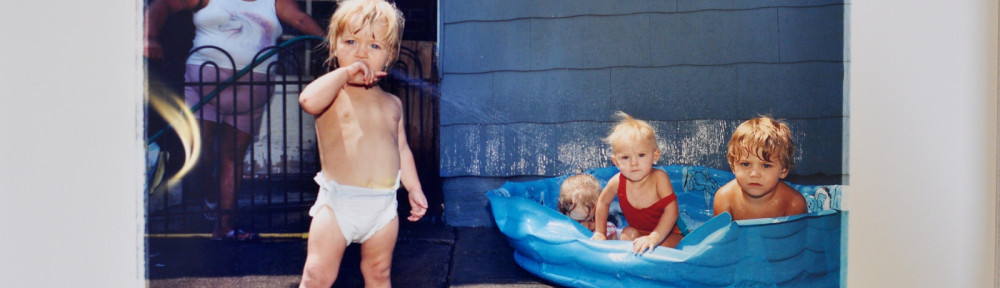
(367, 13)
(765, 137)
(630, 130)
(579, 189)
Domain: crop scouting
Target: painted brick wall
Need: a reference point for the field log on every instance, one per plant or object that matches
(529, 88)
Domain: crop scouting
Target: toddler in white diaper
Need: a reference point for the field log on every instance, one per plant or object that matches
(360, 211)
(363, 150)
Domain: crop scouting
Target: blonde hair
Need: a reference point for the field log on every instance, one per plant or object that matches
(579, 189)
(764, 137)
(630, 130)
(367, 13)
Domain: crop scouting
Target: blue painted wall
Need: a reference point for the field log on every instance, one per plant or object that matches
(529, 88)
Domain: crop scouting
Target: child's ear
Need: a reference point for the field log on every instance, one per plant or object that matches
(656, 155)
(784, 172)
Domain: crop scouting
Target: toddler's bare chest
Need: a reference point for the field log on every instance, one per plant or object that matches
(367, 116)
(768, 209)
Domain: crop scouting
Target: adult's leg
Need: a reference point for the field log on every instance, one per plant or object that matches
(376, 255)
(243, 105)
(202, 178)
(325, 250)
(232, 149)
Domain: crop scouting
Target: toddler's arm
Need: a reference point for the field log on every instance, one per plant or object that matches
(796, 204)
(721, 202)
(410, 179)
(156, 17)
(288, 12)
(319, 94)
(602, 207)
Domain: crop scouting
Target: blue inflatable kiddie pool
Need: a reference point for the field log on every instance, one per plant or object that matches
(796, 251)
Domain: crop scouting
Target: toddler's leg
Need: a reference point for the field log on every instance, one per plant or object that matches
(629, 233)
(672, 240)
(376, 255)
(325, 250)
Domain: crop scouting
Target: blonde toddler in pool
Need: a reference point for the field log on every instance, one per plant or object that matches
(644, 193)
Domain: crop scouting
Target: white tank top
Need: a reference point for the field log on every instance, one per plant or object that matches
(241, 28)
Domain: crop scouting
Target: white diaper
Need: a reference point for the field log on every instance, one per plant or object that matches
(360, 211)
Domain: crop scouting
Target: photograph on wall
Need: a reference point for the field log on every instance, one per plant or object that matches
(540, 101)
(700, 110)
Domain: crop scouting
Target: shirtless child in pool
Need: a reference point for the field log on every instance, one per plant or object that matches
(363, 150)
(646, 196)
(760, 154)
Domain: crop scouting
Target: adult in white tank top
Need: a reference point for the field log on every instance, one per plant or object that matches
(241, 28)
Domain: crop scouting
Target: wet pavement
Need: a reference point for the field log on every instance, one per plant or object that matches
(426, 255)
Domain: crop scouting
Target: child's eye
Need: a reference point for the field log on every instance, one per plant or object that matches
(767, 165)
(349, 42)
(641, 155)
(744, 164)
(623, 157)
(376, 46)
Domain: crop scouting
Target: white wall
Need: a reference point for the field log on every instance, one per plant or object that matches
(922, 144)
(70, 152)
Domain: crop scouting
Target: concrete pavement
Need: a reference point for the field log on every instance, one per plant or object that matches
(426, 255)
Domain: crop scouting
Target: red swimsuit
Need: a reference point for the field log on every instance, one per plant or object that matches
(644, 219)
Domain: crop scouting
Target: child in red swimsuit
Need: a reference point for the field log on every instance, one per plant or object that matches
(645, 194)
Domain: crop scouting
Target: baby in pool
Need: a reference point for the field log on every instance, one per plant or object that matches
(577, 199)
